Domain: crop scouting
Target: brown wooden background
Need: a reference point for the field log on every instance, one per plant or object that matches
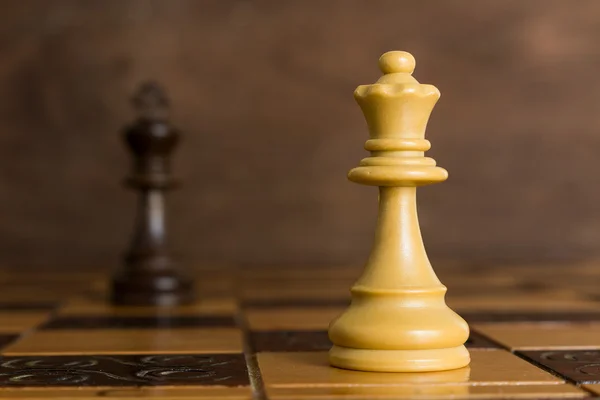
(263, 92)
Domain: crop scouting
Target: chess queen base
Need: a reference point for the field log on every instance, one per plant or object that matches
(149, 290)
(399, 360)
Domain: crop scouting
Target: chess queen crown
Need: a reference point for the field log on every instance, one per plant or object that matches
(397, 108)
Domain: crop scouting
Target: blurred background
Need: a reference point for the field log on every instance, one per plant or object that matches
(262, 91)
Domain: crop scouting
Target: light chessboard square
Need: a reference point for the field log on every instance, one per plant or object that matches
(488, 367)
(132, 341)
(540, 336)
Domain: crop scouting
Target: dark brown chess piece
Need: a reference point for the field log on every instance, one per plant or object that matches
(149, 275)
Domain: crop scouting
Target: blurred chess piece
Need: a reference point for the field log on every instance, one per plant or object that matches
(149, 275)
(398, 320)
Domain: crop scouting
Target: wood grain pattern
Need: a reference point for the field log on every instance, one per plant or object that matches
(488, 367)
(133, 341)
(121, 354)
(517, 126)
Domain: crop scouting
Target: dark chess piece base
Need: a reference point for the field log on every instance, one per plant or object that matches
(151, 290)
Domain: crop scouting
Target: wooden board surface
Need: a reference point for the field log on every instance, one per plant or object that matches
(261, 333)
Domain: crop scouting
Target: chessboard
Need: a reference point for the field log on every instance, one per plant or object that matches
(261, 333)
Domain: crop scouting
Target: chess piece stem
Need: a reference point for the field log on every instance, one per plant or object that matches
(398, 320)
(150, 275)
(398, 254)
(150, 227)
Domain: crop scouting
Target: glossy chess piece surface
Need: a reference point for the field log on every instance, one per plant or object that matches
(398, 320)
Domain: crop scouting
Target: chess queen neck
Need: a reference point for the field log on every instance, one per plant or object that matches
(150, 237)
(398, 260)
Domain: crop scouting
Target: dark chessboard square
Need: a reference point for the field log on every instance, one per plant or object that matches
(578, 366)
(318, 340)
(139, 322)
(6, 339)
(477, 341)
(27, 306)
(508, 316)
(295, 303)
(281, 341)
(125, 370)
